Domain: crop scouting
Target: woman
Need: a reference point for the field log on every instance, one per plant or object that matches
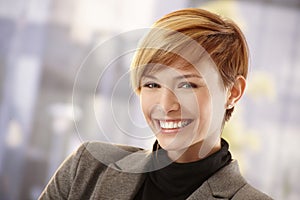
(189, 73)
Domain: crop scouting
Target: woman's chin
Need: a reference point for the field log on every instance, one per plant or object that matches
(173, 145)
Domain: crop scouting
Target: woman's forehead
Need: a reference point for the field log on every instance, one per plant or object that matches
(179, 66)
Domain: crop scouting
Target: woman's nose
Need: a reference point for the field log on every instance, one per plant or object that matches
(169, 101)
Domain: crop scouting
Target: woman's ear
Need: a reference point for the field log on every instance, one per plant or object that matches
(236, 91)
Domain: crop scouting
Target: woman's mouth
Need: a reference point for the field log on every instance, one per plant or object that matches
(172, 126)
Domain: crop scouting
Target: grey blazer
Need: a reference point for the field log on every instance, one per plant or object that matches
(104, 171)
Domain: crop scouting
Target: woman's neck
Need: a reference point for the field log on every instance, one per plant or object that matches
(194, 152)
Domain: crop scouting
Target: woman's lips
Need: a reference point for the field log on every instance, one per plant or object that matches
(172, 126)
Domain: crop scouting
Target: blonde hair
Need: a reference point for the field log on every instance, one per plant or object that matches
(174, 36)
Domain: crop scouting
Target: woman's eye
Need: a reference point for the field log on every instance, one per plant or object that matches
(187, 85)
(151, 85)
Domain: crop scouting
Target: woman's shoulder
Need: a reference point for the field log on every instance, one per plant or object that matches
(228, 182)
(248, 192)
(84, 167)
(106, 153)
(109, 147)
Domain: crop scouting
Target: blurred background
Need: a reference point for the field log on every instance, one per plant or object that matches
(64, 80)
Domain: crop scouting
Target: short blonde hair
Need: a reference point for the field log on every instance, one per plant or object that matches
(221, 38)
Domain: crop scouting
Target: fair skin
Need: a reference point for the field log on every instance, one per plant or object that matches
(185, 109)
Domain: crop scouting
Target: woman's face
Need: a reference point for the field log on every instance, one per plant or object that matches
(179, 105)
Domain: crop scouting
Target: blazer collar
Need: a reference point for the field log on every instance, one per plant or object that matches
(137, 162)
(123, 179)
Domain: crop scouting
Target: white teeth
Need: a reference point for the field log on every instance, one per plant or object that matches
(180, 124)
(171, 125)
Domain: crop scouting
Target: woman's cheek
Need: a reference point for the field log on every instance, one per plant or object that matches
(144, 101)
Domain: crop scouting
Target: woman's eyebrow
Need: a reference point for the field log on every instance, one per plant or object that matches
(185, 76)
(149, 76)
(188, 76)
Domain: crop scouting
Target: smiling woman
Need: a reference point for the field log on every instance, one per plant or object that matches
(180, 98)
(189, 73)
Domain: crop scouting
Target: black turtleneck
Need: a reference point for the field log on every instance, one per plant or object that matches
(179, 180)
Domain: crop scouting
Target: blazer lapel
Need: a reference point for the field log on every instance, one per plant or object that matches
(122, 180)
(222, 185)
(118, 185)
(204, 192)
